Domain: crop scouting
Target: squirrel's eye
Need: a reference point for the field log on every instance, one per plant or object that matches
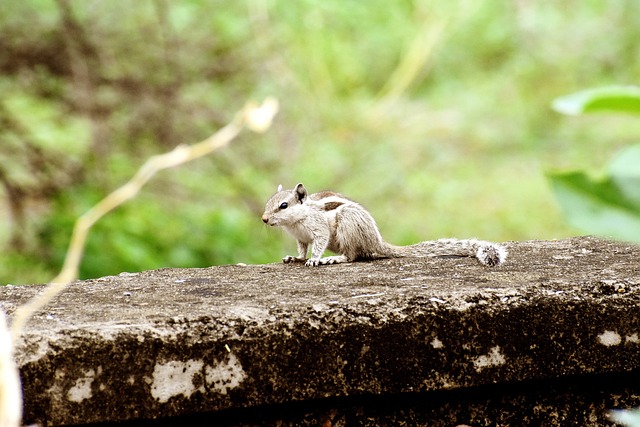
(284, 205)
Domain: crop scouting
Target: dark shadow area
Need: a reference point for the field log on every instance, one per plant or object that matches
(574, 400)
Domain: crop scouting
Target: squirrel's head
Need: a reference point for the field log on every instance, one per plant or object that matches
(281, 208)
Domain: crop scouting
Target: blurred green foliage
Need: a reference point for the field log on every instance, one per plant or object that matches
(608, 205)
(432, 114)
(624, 99)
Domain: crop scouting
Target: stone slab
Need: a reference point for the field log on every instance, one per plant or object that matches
(420, 341)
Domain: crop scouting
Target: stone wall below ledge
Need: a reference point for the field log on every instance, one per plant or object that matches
(550, 338)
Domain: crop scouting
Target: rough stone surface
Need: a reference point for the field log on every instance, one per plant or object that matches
(550, 338)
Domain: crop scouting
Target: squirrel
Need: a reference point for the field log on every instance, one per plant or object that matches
(329, 220)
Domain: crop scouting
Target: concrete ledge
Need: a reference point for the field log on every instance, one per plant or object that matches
(550, 338)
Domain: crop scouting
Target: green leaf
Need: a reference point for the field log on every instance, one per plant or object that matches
(624, 170)
(596, 206)
(608, 98)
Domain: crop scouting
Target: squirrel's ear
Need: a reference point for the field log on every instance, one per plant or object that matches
(279, 188)
(301, 193)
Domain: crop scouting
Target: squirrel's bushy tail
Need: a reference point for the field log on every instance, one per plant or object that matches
(487, 253)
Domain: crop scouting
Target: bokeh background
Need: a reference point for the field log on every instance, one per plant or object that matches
(435, 115)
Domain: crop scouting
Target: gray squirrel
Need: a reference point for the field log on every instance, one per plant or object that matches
(329, 220)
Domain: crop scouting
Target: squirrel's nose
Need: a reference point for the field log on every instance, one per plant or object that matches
(265, 219)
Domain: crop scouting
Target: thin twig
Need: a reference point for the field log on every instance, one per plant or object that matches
(10, 390)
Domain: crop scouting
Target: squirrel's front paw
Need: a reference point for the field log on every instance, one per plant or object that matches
(289, 259)
(312, 262)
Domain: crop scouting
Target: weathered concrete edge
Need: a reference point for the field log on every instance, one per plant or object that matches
(189, 365)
